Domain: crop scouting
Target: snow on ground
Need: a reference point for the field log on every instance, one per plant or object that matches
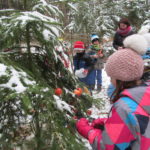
(99, 111)
(102, 106)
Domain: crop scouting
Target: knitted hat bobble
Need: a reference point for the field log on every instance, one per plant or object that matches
(127, 64)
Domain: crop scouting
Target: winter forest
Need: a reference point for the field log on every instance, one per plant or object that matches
(40, 96)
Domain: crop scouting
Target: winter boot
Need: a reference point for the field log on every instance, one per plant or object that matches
(91, 87)
(99, 88)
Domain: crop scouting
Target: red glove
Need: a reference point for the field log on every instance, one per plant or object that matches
(98, 122)
(83, 127)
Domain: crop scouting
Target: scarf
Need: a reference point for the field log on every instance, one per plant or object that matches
(95, 47)
(125, 31)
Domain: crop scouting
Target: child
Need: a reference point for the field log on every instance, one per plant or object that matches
(146, 58)
(78, 59)
(128, 125)
(81, 64)
(96, 56)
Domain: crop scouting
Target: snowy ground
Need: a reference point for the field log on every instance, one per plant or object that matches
(102, 106)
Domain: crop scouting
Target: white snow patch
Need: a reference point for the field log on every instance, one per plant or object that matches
(43, 2)
(59, 48)
(55, 31)
(73, 6)
(46, 89)
(3, 69)
(33, 15)
(46, 34)
(62, 105)
(96, 113)
(6, 10)
(14, 82)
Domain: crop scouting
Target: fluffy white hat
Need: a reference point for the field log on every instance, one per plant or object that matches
(147, 37)
(144, 29)
(136, 42)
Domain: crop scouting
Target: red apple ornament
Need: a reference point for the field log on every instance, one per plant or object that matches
(58, 91)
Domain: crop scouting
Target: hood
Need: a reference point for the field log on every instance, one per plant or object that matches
(141, 95)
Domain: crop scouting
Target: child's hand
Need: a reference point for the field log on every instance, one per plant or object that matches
(100, 55)
(83, 127)
(94, 56)
(97, 123)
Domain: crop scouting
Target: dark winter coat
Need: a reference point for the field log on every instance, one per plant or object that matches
(118, 39)
(81, 61)
(97, 63)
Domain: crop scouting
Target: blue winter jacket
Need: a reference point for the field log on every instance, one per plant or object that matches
(81, 61)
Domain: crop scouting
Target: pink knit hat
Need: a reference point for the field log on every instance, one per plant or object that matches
(127, 64)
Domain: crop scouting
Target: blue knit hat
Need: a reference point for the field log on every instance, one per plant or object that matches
(94, 37)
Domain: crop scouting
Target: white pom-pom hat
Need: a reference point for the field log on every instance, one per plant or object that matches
(147, 37)
(137, 43)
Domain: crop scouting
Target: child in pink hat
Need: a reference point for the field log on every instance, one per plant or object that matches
(128, 124)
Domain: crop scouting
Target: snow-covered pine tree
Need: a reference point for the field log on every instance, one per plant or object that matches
(31, 116)
(101, 17)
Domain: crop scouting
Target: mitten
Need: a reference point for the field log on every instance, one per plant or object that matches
(83, 127)
(98, 123)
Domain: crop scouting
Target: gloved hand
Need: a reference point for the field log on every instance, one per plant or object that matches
(100, 54)
(85, 72)
(98, 123)
(83, 127)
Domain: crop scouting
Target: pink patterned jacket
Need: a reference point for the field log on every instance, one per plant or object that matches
(127, 128)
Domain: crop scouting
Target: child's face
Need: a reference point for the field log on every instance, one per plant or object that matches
(96, 42)
(79, 51)
(123, 26)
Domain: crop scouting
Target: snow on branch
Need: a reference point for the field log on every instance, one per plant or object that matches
(7, 10)
(43, 6)
(14, 83)
(36, 16)
(62, 105)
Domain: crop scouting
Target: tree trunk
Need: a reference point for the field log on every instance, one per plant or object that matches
(28, 46)
(25, 4)
(4, 4)
(38, 132)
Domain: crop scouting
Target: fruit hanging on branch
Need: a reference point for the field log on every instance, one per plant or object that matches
(80, 90)
(58, 91)
(77, 92)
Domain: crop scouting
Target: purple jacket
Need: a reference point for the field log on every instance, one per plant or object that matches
(127, 128)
